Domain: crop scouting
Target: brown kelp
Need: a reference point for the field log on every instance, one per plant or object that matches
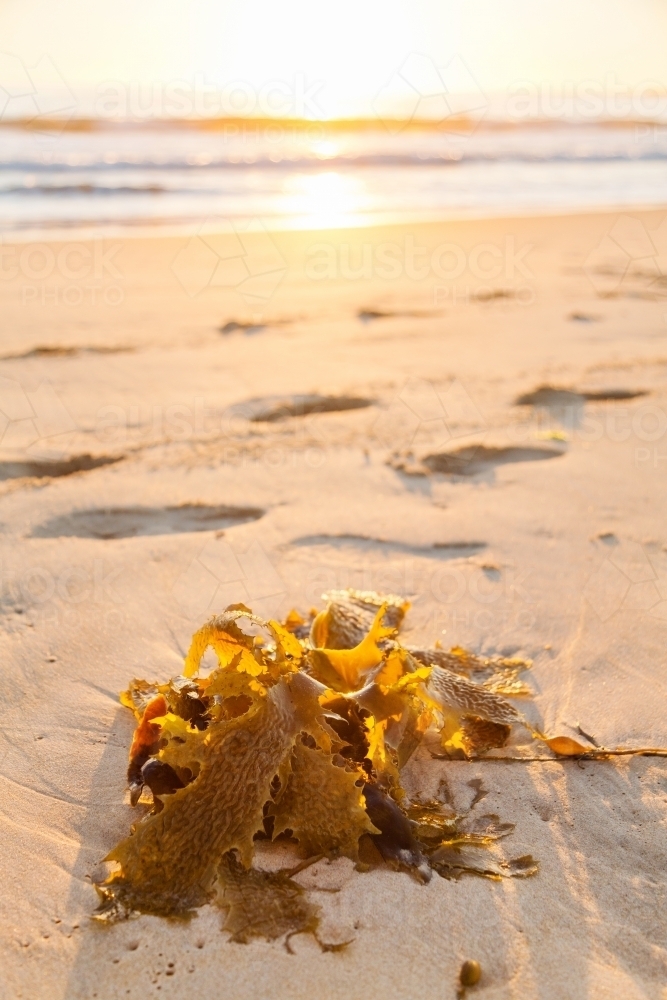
(302, 731)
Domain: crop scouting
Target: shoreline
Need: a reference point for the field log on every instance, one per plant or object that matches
(167, 230)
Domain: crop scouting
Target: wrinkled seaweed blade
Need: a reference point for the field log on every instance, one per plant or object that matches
(350, 614)
(446, 661)
(480, 736)
(346, 625)
(452, 691)
(168, 865)
(322, 805)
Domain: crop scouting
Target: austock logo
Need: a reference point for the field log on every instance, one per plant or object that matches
(77, 273)
(631, 578)
(33, 423)
(420, 90)
(224, 254)
(72, 585)
(35, 93)
(630, 257)
(422, 410)
(222, 574)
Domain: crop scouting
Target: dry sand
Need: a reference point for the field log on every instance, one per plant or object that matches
(550, 544)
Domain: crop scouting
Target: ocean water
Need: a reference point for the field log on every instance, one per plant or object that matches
(174, 177)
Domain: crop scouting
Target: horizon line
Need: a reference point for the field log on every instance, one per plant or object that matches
(395, 124)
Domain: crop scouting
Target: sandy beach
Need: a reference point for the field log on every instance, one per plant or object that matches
(162, 455)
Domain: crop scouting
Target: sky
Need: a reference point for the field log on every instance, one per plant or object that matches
(331, 57)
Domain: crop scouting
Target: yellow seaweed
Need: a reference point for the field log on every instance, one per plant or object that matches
(449, 691)
(322, 805)
(281, 739)
(169, 864)
(228, 641)
(565, 746)
(352, 664)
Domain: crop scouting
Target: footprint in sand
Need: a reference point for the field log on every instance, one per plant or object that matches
(368, 315)
(471, 460)
(366, 544)
(58, 351)
(550, 397)
(236, 326)
(270, 409)
(52, 470)
(128, 522)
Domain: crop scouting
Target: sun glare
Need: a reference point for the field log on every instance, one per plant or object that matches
(325, 201)
(332, 60)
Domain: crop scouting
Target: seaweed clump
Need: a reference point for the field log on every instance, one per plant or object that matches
(302, 731)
